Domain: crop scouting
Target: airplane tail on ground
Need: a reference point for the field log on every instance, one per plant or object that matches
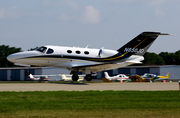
(31, 76)
(106, 75)
(140, 44)
(168, 75)
(165, 77)
(64, 77)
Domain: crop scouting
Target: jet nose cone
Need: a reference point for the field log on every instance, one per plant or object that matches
(11, 58)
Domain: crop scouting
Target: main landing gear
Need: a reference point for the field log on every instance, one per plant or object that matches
(88, 77)
(75, 76)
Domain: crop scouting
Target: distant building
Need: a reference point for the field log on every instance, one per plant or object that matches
(17, 73)
(140, 70)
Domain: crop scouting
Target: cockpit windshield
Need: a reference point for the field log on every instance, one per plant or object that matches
(42, 49)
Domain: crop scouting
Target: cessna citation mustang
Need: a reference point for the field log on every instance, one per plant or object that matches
(85, 59)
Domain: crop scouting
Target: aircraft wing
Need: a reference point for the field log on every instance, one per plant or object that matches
(101, 67)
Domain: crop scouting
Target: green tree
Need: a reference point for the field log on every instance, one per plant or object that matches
(5, 50)
(169, 58)
(32, 49)
(151, 58)
(177, 57)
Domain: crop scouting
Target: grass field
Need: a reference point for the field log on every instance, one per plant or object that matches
(90, 104)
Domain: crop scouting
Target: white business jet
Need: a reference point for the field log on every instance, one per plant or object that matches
(119, 77)
(86, 59)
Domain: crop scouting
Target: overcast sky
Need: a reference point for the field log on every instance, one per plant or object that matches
(97, 23)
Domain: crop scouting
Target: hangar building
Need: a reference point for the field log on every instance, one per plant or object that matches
(140, 70)
(17, 73)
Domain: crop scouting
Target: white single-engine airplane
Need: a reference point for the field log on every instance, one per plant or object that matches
(39, 77)
(119, 77)
(85, 59)
(66, 79)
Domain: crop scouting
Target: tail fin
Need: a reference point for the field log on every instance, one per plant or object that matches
(164, 77)
(106, 75)
(64, 77)
(31, 76)
(168, 75)
(140, 44)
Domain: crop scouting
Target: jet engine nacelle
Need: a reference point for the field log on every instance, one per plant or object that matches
(106, 53)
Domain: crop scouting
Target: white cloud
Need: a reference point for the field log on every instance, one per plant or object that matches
(90, 15)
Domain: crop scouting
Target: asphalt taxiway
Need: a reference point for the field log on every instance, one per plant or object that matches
(88, 86)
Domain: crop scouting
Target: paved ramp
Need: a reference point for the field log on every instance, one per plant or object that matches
(88, 86)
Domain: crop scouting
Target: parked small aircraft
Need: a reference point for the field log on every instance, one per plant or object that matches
(155, 77)
(47, 77)
(64, 78)
(119, 77)
(87, 60)
(39, 77)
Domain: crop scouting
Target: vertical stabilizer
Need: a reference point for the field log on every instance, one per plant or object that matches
(140, 44)
(106, 75)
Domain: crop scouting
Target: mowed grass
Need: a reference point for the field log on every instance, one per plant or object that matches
(90, 104)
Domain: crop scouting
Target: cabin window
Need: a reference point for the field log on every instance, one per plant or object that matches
(42, 49)
(78, 52)
(69, 51)
(86, 52)
(50, 51)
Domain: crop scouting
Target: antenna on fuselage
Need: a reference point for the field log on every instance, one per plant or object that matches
(88, 46)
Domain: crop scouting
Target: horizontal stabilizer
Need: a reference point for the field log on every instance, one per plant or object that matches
(134, 61)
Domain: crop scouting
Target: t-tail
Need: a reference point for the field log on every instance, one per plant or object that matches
(140, 44)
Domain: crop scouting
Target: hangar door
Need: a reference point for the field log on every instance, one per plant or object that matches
(15, 75)
(141, 71)
(124, 71)
(3, 75)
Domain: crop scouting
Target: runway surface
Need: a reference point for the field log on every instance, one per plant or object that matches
(88, 86)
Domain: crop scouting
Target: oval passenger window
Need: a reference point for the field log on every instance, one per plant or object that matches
(78, 52)
(86, 52)
(69, 51)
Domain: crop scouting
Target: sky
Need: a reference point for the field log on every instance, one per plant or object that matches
(97, 23)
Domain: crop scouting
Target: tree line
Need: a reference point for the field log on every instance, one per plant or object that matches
(163, 58)
(150, 58)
